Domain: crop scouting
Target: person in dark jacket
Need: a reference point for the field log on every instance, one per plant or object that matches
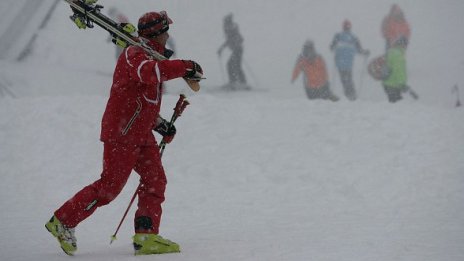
(345, 45)
(234, 41)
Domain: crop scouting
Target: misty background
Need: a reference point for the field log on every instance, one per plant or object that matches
(264, 174)
(274, 32)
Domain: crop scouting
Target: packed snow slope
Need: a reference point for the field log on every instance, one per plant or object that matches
(258, 175)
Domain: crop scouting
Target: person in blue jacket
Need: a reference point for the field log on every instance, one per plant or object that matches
(346, 45)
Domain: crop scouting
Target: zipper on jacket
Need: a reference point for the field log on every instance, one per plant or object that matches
(136, 114)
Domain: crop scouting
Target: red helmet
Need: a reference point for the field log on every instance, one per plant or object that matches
(153, 24)
(346, 25)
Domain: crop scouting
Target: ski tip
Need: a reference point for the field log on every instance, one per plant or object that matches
(194, 85)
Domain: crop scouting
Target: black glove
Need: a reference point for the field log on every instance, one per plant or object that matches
(193, 71)
(163, 128)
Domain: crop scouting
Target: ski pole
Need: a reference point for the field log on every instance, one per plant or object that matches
(180, 107)
(363, 72)
(223, 76)
(113, 237)
(4, 88)
(456, 90)
(250, 71)
(334, 76)
(412, 93)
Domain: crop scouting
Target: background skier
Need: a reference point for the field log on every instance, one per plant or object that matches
(395, 26)
(346, 45)
(132, 112)
(234, 41)
(315, 78)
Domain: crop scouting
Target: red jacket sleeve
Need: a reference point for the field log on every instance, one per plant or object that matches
(144, 69)
(171, 69)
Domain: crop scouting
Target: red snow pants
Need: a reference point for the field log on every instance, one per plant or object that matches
(118, 162)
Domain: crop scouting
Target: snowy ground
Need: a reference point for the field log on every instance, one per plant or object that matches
(260, 175)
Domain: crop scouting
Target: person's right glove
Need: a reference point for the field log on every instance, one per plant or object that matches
(193, 71)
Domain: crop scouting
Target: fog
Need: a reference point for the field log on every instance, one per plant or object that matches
(264, 174)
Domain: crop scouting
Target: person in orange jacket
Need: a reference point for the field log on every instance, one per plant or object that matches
(132, 113)
(315, 79)
(395, 26)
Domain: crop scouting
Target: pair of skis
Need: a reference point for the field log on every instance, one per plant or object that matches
(91, 13)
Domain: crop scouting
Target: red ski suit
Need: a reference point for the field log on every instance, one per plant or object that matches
(129, 143)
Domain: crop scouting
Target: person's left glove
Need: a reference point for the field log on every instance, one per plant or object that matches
(163, 128)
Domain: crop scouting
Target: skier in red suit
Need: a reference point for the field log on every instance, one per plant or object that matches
(132, 112)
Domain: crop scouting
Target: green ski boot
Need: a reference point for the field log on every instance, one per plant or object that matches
(64, 235)
(148, 244)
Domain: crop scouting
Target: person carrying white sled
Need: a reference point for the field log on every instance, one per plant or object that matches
(395, 83)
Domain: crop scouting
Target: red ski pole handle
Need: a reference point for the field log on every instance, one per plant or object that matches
(177, 109)
(182, 108)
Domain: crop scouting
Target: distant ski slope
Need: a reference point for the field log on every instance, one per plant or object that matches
(19, 22)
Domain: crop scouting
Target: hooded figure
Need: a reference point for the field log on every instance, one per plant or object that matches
(395, 26)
